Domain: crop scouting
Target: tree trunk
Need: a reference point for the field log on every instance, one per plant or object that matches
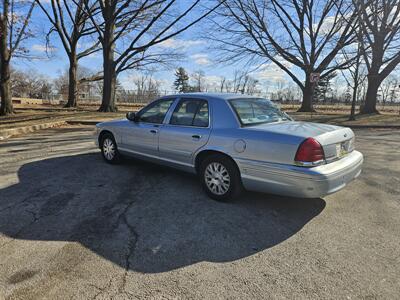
(372, 94)
(308, 95)
(5, 90)
(353, 104)
(73, 82)
(109, 69)
(355, 85)
(109, 85)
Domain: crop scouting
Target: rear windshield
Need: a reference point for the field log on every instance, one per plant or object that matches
(252, 111)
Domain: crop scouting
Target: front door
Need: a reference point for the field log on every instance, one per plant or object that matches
(142, 136)
(187, 131)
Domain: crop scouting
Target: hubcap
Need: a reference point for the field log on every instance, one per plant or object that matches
(217, 178)
(109, 149)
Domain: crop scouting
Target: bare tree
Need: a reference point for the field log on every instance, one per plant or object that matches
(280, 86)
(70, 22)
(244, 82)
(14, 20)
(394, 88)
(222, 84)
(380, 43)
(228, 86)
(252, 85)
(147, 88)
(238, 82)
(294, 34)
(387, 88)
(356, 78)
(29, 84)
(141, 25)
(63, 82)
(199, 81)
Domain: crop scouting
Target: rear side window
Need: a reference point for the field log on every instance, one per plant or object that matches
(255, 111)
(191, 112)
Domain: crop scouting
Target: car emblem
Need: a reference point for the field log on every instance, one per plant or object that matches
(345, 135)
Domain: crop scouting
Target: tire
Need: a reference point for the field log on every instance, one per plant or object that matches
(109, 149)
(220, 178)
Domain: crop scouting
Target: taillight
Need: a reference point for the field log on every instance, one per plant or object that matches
(310, 153)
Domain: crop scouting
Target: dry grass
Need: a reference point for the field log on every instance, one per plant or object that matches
(343, 119)
(27, 117)
(332, 114)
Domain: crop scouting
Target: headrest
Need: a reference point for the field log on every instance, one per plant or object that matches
(191, 107)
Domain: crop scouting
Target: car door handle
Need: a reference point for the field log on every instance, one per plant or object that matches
(153, 131)
(196, 136)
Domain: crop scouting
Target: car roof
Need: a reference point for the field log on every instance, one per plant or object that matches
(223, 96)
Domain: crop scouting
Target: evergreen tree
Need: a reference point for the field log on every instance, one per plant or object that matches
(181, 82)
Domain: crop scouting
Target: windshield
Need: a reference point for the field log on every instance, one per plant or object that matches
(254, 111)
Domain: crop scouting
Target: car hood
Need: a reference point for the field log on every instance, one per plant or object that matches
(296, 128)
(112, 123)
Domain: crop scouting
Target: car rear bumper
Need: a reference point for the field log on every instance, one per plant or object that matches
(299, 181)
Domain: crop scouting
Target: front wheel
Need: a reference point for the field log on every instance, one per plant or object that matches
(109, 149)
(220, 178)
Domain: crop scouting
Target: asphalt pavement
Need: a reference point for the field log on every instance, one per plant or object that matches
(74, 227)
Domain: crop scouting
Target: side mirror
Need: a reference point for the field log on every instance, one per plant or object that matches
(131, 116)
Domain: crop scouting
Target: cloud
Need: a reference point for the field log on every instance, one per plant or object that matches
(41, 48)
(272, 73)
(180, 44)
(201, 59)
(213, 82)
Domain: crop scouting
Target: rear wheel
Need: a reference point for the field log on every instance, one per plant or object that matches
(109, 149)
(220, 178)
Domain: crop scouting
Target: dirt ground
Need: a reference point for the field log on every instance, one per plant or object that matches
(74, 227)
(33, 115)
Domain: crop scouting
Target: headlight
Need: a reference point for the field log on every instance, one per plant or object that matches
(351, 144)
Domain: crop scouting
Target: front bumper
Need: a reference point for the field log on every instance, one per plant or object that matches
(299, 181)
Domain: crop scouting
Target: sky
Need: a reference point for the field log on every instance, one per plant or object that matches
(196, 56)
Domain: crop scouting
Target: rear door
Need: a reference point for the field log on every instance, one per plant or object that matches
(188, 130)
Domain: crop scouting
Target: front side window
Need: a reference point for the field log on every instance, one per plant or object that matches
(155, 112)
(191, 112)
(254, 111)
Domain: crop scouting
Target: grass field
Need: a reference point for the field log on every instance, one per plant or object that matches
(332, 114)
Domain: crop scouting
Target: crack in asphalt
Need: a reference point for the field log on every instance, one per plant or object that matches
(134, 237)
(36, 216)
(127, 193)
(14, 205)
(101, 289)
(15, 237)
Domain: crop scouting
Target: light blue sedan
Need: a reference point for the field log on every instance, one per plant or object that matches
(235, 142)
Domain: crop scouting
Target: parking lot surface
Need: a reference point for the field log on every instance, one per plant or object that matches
(74, 227)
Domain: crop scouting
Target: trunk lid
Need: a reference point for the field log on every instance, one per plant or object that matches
(336, 141)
